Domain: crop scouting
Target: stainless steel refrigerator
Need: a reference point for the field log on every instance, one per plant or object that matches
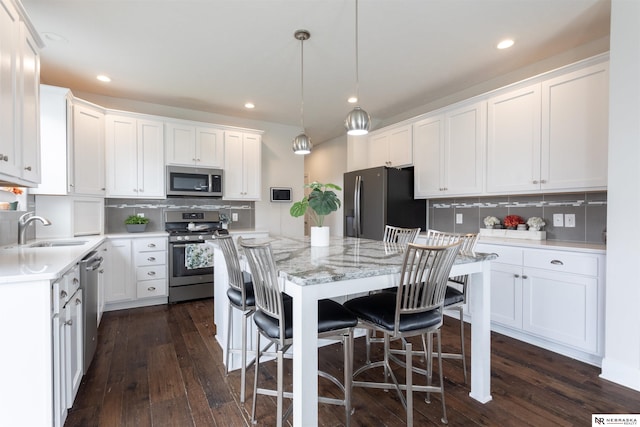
(379, 196)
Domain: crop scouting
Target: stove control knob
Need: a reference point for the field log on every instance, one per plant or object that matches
(179, 238)
(186, 237)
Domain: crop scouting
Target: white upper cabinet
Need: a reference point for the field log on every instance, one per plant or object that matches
(448, 152)
(88, 171)
(243, 167)
(513, 146)
(135, 157)
(550, 136)
(192, 145)
(19, 99)
(575, 128)
(392, 147)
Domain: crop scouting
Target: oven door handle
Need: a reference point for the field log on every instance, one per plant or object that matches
(173, 245)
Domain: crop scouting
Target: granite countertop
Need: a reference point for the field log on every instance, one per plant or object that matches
(28, 264)
(345, 258)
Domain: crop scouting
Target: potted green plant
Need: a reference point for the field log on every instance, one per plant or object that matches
(136, 224)
(320, 202)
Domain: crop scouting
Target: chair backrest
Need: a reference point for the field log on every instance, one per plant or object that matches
(228, 248)
(266, 286)
(400, 235)
(468, 244)
(423, 281)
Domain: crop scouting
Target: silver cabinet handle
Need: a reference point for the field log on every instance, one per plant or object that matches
(151, 273)
(535, 181)
(543, 181)
(69, 322)
(5, 158)
(75, 281)
(78, 301)
(516, 276)
(27, 168)
(151, 288)
(151, 258)
(151, 245)
(524, 276)
(557, 262)
(63, 294)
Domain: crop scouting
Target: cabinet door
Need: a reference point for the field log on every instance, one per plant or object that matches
(30, 106)
(378, 151)
(103, 275)
(506, 295)
(121, 161)
(209, 147)
(513, 145)
(9, 32)
(400, 147)
(242, 159)
(180, 144)
(463, 150)
(575, 127)
(121, 283)
(428, 135)
(74, 346)
(252, 164)
(151, 173)
(562, 307)
(88, 151)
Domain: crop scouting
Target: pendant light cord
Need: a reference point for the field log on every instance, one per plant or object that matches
(302, 83)
(357, 56)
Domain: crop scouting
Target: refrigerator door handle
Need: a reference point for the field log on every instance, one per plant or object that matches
(356, 205)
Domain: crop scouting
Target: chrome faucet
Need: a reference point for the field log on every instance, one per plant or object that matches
(23, 224)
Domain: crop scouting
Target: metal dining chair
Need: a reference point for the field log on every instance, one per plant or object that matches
(274, 321)
(416, 309)
(241, 297)
(456, 295)
(395, 236)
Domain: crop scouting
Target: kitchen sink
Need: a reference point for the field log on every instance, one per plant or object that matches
(55, 243)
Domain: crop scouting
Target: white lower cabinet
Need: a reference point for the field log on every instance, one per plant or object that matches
(551, 298)
(68, 340)
(138, 273)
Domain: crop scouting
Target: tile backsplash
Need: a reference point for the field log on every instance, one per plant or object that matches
(117, 210)
(590, 210)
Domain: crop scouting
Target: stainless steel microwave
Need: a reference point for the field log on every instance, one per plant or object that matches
(194, 181)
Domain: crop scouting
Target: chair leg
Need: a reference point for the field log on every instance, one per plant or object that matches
(280, 380)
(427, 345)
(228, 344)
(347, 341)
(444, 408)
(243, 369)
(367, 339)
(409, 381)
(464, 356)
(255, 378)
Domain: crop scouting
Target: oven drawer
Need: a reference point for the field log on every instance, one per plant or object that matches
(151, 288)
(151, 258)
(151, 272)
(150, 244)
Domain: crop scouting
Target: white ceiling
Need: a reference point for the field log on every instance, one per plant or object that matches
(215, 55)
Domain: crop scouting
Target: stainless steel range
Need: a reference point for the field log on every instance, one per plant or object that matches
(190, 259)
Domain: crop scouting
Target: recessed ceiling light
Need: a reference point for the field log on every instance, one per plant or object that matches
(352, 100)
(103, 78)
(504, 44)
(249, 105)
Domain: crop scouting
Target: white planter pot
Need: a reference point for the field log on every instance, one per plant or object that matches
(320, 236)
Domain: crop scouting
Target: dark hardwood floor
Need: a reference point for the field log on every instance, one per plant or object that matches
(161, 366)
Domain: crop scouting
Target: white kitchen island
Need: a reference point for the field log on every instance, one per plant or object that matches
(350, 266)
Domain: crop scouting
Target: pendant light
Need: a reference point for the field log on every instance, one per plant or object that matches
(358, 121)
(302, 143)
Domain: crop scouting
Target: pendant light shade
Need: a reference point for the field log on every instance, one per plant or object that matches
(302, 143)
(358, 121)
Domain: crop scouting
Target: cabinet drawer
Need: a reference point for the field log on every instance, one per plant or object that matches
(151, 258)
(506, 254)
(562, 262)
(151, 288)
(151, 272)
(150, 244)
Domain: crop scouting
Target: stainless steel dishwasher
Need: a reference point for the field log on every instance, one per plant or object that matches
(89, 283)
